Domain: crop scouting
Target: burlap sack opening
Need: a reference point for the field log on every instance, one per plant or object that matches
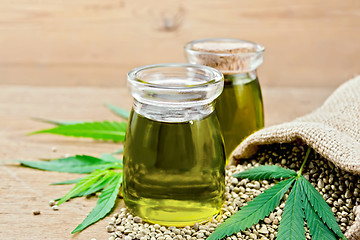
(333, 130)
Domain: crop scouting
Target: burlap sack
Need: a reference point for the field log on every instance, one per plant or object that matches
(333, 130)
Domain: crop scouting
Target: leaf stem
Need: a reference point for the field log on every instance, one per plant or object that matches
(305, 159)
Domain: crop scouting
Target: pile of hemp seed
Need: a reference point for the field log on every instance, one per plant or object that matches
(339, 188)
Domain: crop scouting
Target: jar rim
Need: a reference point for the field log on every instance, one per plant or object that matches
(214, 76)
(258, 48)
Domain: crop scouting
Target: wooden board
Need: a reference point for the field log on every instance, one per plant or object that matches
(96, 42)
(23, 189)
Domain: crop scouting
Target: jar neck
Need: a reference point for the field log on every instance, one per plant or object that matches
(240, 78)
(227, 55)
(173, 114)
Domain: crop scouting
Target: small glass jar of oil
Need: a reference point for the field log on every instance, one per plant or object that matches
(174, 159)
(240, 106)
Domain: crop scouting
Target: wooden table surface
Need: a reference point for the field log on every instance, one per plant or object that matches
(23, 189)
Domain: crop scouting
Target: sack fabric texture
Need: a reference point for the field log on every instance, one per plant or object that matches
(333, 130)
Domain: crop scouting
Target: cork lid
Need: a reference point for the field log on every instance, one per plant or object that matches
(225, 54)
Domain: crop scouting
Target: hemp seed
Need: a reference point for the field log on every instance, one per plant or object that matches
(36, 212)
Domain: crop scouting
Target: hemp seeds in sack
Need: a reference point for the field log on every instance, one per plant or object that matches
(333, 131)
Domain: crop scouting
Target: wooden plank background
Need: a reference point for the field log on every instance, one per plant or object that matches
(96, 42)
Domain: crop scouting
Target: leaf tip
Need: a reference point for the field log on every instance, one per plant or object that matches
(32, 133)
(39, 132)
(77, 229)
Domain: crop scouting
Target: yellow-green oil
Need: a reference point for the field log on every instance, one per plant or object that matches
(239, 109)
(174, 173)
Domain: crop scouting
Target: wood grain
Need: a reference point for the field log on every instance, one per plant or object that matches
(64, 59)
(96, 42)
(23, 189)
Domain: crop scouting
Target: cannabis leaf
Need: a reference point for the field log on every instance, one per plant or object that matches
(292, 221)
(72, 181)
(84, 184)
(105, 130)
(303, 202)
(321, 207)
(88, 186)
(76, 164)
(104, 205)
(256, 210)
(99, 185)
(59, 123)
(118, 111)
(119, 151)
(317, 228)
(101, 178)
(266, 172)
(110, 158)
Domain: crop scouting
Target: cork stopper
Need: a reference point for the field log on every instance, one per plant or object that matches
(226, 55)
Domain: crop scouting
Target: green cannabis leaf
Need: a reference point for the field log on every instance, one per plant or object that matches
(85, 183)
(317, 228)
(83, 188)
(100, 178)
(72, 181)
(119, 151)
(321, 207)
(292, 221)
(59, 123)
(256, 210)
(110, 158)
(303, 203)
(104, 205)
(105, 130)
(118, 111)
(266, 172)
(76, 164)
(100, 184)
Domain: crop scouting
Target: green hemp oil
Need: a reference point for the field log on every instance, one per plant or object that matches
(174, 172)
(239, 109)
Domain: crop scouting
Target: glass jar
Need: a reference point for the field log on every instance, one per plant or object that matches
(240, 106)
(174, 160)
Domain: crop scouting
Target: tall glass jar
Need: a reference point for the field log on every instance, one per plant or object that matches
(239, 107)
(174, 160)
